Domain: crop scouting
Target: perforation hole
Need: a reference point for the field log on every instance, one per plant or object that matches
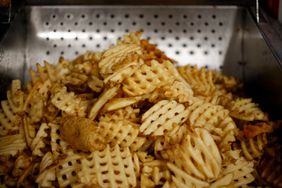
(206, 38)
(75, 23)
(156, 16)
(199, 16)
(105, 23)
(83, 16)
(148, 23)
(133, 23)
(61, 23)
(219, 38)
(76, 52)
(119, 23)
(47, 52)
(212, 45)
(68, 16)
(97, 15)
(126, 15)
(177, 52)
(220, 24)
(177, 23)
(98, 46)
(69, 45)
(199, 31)
(199, 45)
(192, 23)
(191, 38)
(191, 52)
(214, 16)
(90, 23)
(184, 31)
(112, 16)
(141, 16)
(184, 16)
(62, 52)
(170, 31)
(206, 23)
(163, 23)
(212, 31)
(220, 52)
(47, 23)
(54, 16)
(206, 52)
(184, 45)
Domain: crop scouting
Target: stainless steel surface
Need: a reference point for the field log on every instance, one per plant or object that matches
(219, 37)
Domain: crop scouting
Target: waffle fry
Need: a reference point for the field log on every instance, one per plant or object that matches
(200, 80)
(127, 117)
(12, 145)
(245, 109)
(148, 77)
(104, 97)
(162, 116)
(38, 144)
(253, 147)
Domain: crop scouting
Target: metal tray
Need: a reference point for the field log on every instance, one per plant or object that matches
(225, 38)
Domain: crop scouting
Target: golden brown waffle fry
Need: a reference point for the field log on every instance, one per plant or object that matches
(7, 127)
(245, 109)
(47, 177)
(114, 167)
(68, 102)
(88, 136)
(127, 113)
(103, 99)
(15, 96)
(12, 145)
(241, 171)
(198, 155)
(252, 148)
(200, 80)
(58, 145)
(182, 179)
(162, 116)
(38, 144)
(120, 132)
(67, 170)
(251, 131)
(12, 116)
(148, 77)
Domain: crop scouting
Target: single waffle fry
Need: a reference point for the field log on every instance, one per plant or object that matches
(117, 103)
(241, 171)
(29, 131)
(12, 116)
(200, 80)
(15, 96)
(182, 179)
(47, 160)
(178, 91)
(228, 82)
(95, 84)
(7, 127)
(162, 116)
(35, 109)
(125, 69)
(58, 145)
(38, 143)
(114, 167)
(67, 170)
(83, 134)
(123, 133)
(114, 55)
(68, 102)
(12, 145)
(147, 78)
(245, 109)
(198, 155)
(252, 148)
(103, 99)
(74, 79)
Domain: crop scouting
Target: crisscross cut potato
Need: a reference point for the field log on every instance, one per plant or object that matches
(129, 117)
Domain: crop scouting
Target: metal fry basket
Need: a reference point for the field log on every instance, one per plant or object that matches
(225, 38)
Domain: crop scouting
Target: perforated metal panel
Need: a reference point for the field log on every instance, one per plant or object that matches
(194, 35)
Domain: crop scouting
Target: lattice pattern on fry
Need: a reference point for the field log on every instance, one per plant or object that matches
(245, 109)
(40, 142)
(115, 55)
(200, 80)
(241, 171)
(228, 82)
(58, 145)
(178, 91)
(113, 167)
(198, 155)
(182, 179)
(120, 132)
(6, 125)
(9, 113)
(127, 113)
(12, 145)
(67, 170)
(47, 160)
(162, 116)
(15, 96)
(252, 148)
(69, 102)
(154, 173)
(148, 77)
